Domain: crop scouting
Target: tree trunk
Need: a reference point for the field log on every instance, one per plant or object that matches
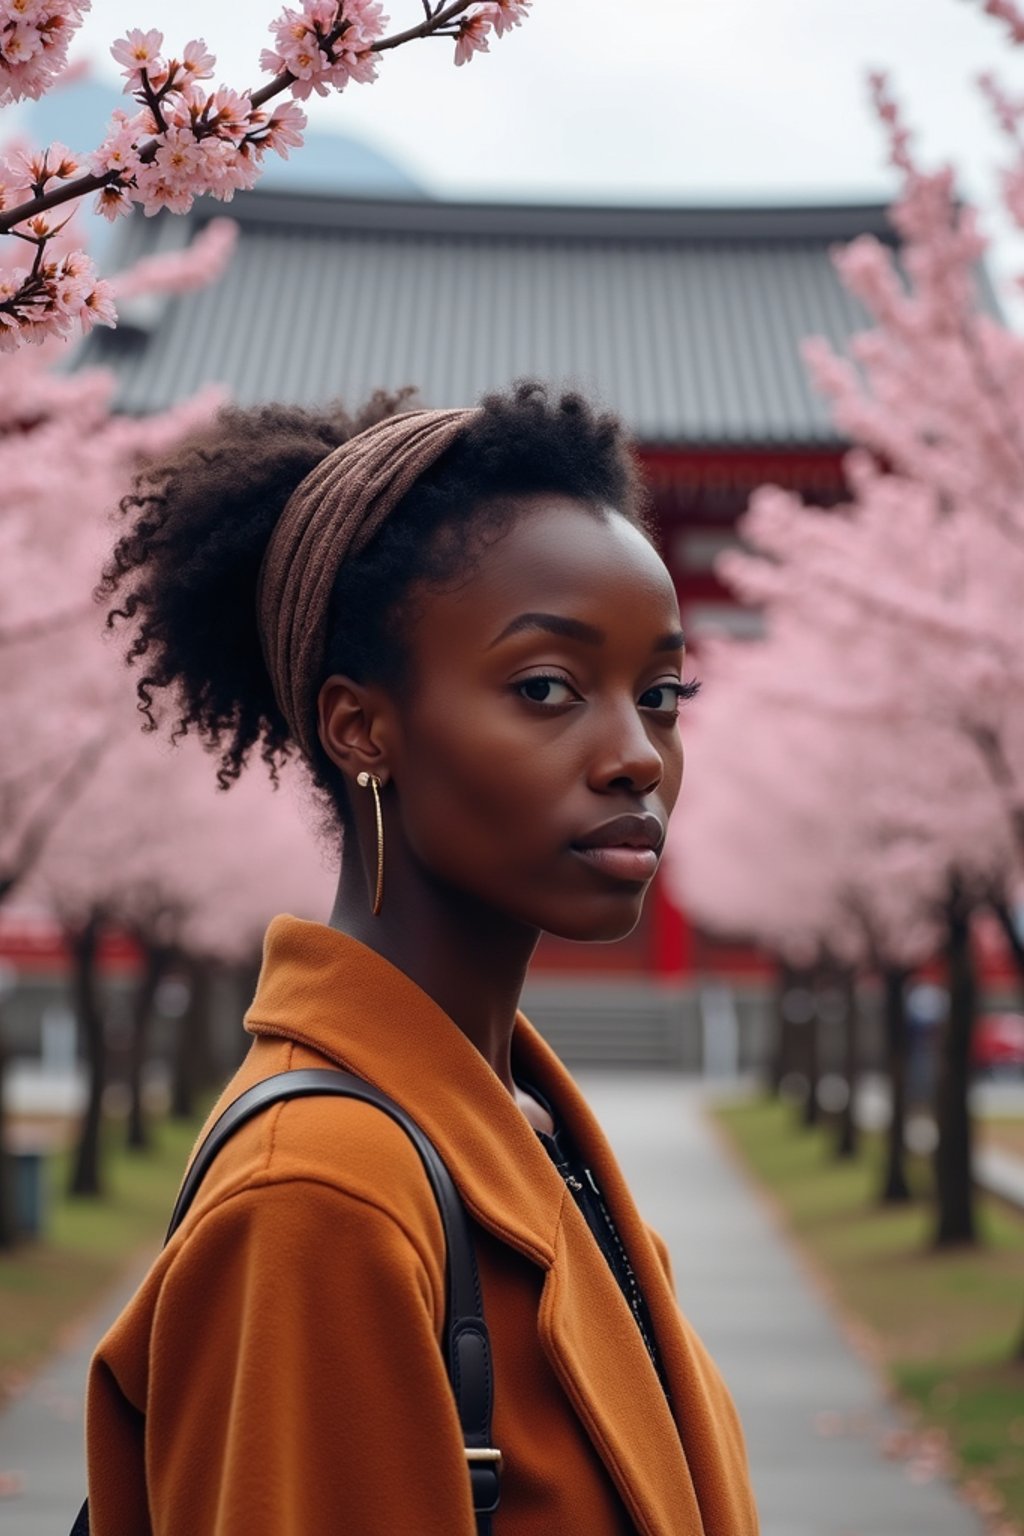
(83, 943)
(192, 1052)
(848, 1142)
(812, 1066)
(1014, 942)
(155, 961)
(779, 1060)
(895, 1187)
(954, 1186)
(7, 1223)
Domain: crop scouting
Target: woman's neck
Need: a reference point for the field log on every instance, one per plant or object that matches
(470, 962)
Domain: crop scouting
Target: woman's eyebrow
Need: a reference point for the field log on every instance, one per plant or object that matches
(575, 629)
(553, 624)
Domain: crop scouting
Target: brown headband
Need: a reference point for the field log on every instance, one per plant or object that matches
(330, 516)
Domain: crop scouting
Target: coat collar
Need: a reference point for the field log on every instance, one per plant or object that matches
(329, 991)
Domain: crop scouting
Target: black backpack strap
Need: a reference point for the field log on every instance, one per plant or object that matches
(468, 1348)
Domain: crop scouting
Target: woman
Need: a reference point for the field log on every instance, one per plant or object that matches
(457, 617)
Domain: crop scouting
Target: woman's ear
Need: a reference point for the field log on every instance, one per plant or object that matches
(351, 726)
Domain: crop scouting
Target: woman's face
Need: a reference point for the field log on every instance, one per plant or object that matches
(536, 757)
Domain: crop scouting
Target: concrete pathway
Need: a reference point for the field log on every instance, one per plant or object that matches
(1001, 1173)
(42, 1456)
(814, 1414)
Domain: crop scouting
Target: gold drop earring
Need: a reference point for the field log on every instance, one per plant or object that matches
(371, 781)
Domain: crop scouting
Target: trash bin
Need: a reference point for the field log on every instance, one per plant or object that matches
(28, 1150)
(30, 1194)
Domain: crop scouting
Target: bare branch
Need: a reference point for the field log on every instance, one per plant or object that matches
(60, 796)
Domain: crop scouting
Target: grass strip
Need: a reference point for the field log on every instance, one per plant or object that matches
(944, 1325)
(1006, 1132)
(46, 1285)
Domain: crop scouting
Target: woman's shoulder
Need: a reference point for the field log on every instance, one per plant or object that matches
(338, 1143)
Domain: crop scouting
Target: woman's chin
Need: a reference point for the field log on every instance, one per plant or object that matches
(590, 923)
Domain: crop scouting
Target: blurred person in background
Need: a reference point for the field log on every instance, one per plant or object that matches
(458, 620)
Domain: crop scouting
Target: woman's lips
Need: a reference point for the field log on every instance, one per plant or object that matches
(621, 862)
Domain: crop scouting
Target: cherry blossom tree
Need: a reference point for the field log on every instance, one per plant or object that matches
(155, 849)
(182, 139)
(875, 799)
(65, 460)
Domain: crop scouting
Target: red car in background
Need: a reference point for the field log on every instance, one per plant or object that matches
(998, 1045)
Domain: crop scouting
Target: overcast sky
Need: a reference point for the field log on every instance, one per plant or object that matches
(649, 100)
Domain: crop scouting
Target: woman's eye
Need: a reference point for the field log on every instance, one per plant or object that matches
(665, 698)
(545, 690)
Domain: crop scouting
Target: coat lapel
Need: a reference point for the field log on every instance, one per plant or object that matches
(597, 1353)
(591, 1338)
(705, 1490)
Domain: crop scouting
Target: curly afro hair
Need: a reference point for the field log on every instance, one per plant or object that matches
(185, 572)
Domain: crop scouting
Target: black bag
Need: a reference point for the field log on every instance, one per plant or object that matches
(467, 1344)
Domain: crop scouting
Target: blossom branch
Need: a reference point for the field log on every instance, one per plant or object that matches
(184, 142)
(1010, 14)
(435, 21)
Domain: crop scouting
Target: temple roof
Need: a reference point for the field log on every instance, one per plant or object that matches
(687, 321)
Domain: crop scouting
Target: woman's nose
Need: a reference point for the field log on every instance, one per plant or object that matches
(625, 757)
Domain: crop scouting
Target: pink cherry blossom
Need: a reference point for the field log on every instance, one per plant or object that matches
(510, 13)
(155, 190)
(32, 168)
(473, 33)
(28, 11)
(98, 306)
(227, 169)
(138, 51)
(21, 43)
(178, 156)
(34, 37)
(367, 20)
(120, 149)
(298, 35)
(182, 142)
(304, 47)
(283, 129)
(65, 460)
(113, 202)
(225, 114)
(198, 265)
(196, 61)
(882, 749)
(1008, 112)
(1011, 14)
(359, 65)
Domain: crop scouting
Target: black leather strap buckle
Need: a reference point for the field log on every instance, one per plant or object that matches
(484, 1477)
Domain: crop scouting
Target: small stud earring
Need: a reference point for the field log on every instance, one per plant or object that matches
(371, 781)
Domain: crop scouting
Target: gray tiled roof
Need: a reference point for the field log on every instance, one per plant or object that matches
(687, 321)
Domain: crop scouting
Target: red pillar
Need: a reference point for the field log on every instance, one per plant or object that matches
(671, 937)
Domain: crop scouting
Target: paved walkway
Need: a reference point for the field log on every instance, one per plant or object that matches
(41, 1450)
(1001, 1173)
(814, 1414)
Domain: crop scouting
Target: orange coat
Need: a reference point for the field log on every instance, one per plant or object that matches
(278, 1373)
